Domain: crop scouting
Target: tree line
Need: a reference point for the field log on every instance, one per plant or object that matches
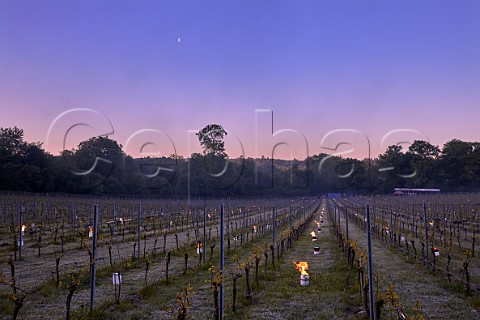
(99, 166)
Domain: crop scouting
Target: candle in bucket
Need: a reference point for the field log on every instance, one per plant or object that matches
(302, 267)
(314, 237)
(117, 278)
(199, 247)
(316, 250)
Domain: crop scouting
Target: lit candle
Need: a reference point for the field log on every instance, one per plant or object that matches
(302, 267)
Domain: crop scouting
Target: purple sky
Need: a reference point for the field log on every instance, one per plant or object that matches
(369, 66)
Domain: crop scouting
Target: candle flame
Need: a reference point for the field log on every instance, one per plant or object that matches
(24, 227)
(313, 234)
(90, 229)
(254, 228)
(199, 244)
(121, 220)
(302, 267)
(208, 215)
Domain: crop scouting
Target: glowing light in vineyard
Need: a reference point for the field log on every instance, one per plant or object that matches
(302, 267)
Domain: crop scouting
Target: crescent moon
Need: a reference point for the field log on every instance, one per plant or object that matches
(179, 39)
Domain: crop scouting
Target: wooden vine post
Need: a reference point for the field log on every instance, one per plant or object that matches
(93, 269)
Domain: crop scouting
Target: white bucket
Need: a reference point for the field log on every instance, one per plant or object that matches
(304, 280)
(116, 278)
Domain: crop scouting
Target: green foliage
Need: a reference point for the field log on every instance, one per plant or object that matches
(6, 304)
(125, 305)
(216, 278)
(96, 314)
(211, 139)
(48, 288)
(182, 301)
(149, 292)
(26, 166)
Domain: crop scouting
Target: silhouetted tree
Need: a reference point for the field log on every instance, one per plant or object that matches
(211, 139)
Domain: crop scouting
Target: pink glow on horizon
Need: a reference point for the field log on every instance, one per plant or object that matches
(319, 66)
(182, 140)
